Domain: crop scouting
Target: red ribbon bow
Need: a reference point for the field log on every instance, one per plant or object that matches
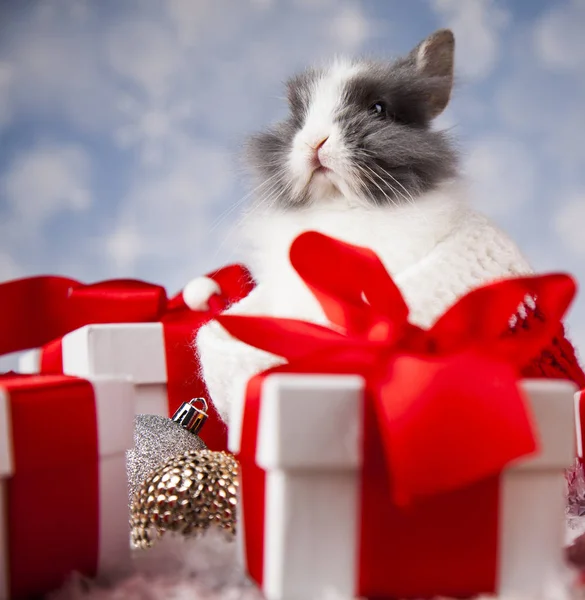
(451, 388)
(39, 311)
(442, 414)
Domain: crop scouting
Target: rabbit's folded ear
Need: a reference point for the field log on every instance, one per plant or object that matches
(433, 59)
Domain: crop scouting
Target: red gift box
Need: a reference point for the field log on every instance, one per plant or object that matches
(443, 417)
(63, 482)
(149, 337)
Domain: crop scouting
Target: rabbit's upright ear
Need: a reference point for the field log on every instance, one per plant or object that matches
(433, 59)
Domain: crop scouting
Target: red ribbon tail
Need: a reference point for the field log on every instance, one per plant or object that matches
(288, 338)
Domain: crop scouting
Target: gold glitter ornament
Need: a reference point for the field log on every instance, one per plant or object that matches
(186, 494)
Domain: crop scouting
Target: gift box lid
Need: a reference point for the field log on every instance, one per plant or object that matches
(311, 422)
(314, 422)
(118, 349)
(51, 420)
(551, 403)
(121, 349)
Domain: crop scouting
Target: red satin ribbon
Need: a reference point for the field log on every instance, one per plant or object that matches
(442, 410)
(53, 497)
(39, 311)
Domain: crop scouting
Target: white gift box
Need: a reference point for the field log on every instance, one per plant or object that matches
(309, 444)
(580, 420)
(135, 350)
(114, 420)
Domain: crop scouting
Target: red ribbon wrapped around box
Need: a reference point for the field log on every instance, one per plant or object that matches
(443, 414)
(63, 484)
(39, 311)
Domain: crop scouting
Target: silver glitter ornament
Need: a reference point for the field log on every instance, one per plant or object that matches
(156, 439)
(187, 494)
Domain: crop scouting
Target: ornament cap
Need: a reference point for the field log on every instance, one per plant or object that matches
(192, 415)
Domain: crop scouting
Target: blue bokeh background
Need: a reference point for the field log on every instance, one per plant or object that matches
(121, 122)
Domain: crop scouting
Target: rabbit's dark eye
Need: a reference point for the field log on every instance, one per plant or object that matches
(378, 109)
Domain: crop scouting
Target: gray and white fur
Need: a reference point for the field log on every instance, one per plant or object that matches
(381, 115)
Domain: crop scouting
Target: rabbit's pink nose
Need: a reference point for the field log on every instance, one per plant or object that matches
(317, 164)
(320, 144)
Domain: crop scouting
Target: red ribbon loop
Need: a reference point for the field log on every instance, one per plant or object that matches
(350, 282)
(37, 310)
(480, 320)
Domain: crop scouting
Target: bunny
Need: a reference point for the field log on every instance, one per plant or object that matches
(358, 159)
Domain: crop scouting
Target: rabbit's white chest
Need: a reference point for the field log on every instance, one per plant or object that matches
(401, 236)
